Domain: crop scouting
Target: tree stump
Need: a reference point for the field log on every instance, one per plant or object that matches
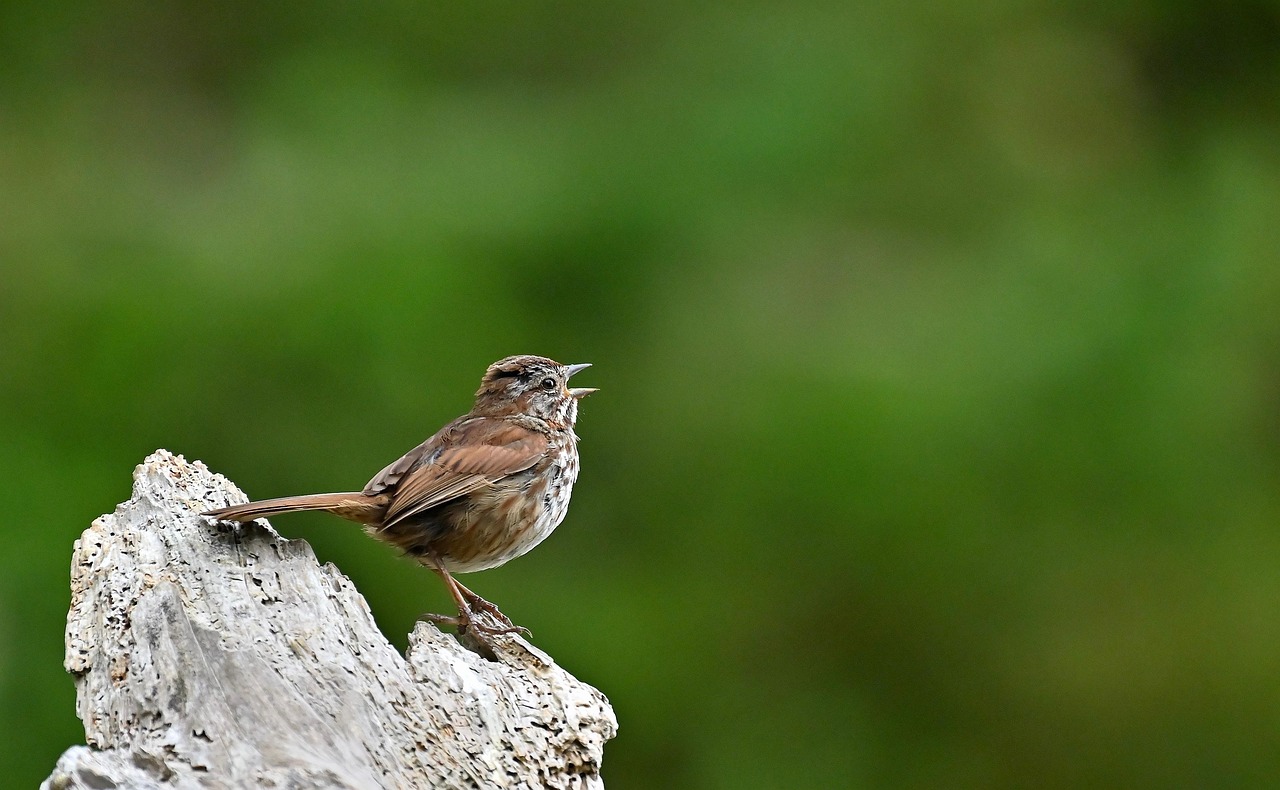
(217, 657)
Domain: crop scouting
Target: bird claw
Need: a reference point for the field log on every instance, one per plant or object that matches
(509, 629)
(480, 605)
(480, 627)
(441, 619)
(480, 630)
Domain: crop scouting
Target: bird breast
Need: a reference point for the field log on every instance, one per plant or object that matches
(511, 516)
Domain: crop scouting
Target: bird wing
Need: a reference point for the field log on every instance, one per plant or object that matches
(474, 454)
(394, 472)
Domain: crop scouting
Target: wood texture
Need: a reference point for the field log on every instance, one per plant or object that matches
(210, 656)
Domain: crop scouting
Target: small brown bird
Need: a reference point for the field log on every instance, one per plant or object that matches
(485, 489)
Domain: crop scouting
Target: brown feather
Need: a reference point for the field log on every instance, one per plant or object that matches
(395, 471)
(352, 506)
(493, 450)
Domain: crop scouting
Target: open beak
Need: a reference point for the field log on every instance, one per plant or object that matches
(578, 392)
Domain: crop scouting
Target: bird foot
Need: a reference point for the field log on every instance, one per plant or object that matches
(467, 624)
(480, 605)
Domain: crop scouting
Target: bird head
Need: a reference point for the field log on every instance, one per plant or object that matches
(536, 386)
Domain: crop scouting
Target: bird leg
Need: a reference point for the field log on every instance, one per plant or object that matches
(468, 604)
(477, 603)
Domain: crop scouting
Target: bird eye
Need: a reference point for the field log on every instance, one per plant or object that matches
(548, 383)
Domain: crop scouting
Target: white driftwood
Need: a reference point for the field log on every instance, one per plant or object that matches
(217, 657)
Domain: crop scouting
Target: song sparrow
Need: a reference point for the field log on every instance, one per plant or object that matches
(485, 489)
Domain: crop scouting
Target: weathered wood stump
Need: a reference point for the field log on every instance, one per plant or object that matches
(211, 657)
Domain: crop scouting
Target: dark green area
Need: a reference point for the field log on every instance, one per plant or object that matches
(938, 346)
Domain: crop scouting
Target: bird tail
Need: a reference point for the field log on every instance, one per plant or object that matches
(352, 506)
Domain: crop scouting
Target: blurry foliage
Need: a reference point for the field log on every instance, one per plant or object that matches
(938, 348)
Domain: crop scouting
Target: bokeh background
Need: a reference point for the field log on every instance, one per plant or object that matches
(938, 347)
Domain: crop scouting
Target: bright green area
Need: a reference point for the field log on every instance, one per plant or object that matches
(938, 440)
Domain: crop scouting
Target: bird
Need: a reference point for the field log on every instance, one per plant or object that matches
(486, 488)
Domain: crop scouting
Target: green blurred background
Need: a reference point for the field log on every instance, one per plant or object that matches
(938, 347)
